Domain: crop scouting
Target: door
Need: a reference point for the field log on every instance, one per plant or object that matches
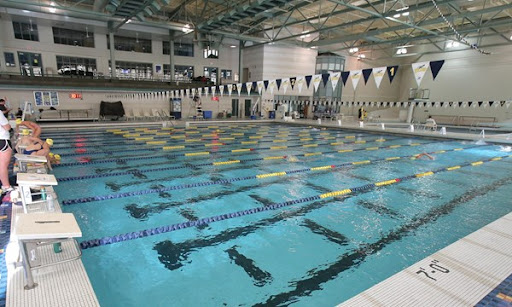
(30, 63)
(246, 75)
(234, 107)
(247, 110)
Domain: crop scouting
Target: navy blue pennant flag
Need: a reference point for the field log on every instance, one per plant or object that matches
(244, 88)
(308, 80)
(344, 77)
(480, 103)
(278, 83)
(392, 70)
(292, 81)
(435, 67)
(265, 82)
(366, 74)
(255, 86)
(325, 78)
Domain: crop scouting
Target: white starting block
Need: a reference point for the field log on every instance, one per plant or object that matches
(25, 160)
(34, 231)
(27, 180)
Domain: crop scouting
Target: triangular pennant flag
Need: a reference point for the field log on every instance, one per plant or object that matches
(480, 103)
(308, 80)
(392, 70)
(419, 69)
(507, 104)
(186, 92)
(213, 90)
(206, 90)
(230, 89)
(248, 86)
(366, 74)
(325, 78)
(335, 78)
(435, 67)
(285, 83)
(292, 82)
(355, 75)
(378, 74)
(266, 84)
(278, 84)
(221, 89)
(260, 86)
(344, 77)
(316, 81)
(200, 91)
(239, 88)
(300, 82)
(491, 103)
(271, 86)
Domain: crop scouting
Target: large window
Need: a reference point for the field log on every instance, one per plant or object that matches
(209, 53)
(26, 31)
(9, 59)
(226, 74)
(133, 70)
(123, 43)
(73, 37)
(75, 66)
(181, 72)
(184, 49)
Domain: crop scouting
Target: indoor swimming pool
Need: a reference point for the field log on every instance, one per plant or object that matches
(267, 215)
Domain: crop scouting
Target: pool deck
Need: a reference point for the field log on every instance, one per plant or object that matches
(461, 274)
(65, 284)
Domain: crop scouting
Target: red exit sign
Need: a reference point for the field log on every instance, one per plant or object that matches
(75, 95)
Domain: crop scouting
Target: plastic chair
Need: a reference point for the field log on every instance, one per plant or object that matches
(148, 114)
(129, 115)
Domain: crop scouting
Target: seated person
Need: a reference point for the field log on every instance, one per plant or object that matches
(431, 123)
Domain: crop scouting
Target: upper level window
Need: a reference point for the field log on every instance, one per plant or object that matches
(209, 53)
(226, 74)
(26, 31)
(73, 37)
(75, 66)
(123, 43)
(9, 59)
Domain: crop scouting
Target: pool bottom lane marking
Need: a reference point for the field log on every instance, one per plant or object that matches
(168, 228)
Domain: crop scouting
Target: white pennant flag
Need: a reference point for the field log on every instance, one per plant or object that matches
(507, 104)
(206, 91)
(213, 90)
(299, 82)
(182, 93)
(316, 81)
(248, 85)
(187, 91)
(199, 91)
(230, 89)
(335, 78)
(378, 74)
(271, 85)
(355, 75)
(285, 83)
(221, 88)
(419, 70)
(260, 85)
(239, 88)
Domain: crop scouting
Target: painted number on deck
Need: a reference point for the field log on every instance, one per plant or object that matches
(434, 268)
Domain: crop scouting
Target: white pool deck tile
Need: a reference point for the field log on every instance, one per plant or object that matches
(65, 284)
(460, 274)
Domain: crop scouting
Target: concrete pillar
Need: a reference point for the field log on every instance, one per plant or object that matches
(112, 50)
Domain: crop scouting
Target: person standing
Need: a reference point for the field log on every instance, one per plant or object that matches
(5, 152)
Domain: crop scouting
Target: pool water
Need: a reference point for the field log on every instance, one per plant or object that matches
(308, 253)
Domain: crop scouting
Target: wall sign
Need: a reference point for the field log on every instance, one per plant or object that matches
(46, 98)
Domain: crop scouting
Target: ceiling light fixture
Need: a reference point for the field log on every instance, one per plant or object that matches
(396, 15)
(405, 14)
(361, 56)
(233, 46)
(401, 51)
(186, 28)
(452, 44)
(353, 50)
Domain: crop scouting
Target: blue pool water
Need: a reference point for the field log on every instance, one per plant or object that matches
(311, 253)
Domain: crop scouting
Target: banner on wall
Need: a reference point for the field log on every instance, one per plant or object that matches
(230, 89)
(435, 67)
(292, 82)
(335, 78)
(271, 85)
(260, 86)
(344, 77)
(366, 74)
(419, 69)
(239, 88)
(300, 83)
(214, 88)
(285, 83)
(392, 70)
(378, 75)
(355, 75)
(248, 86)
(316, 81)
